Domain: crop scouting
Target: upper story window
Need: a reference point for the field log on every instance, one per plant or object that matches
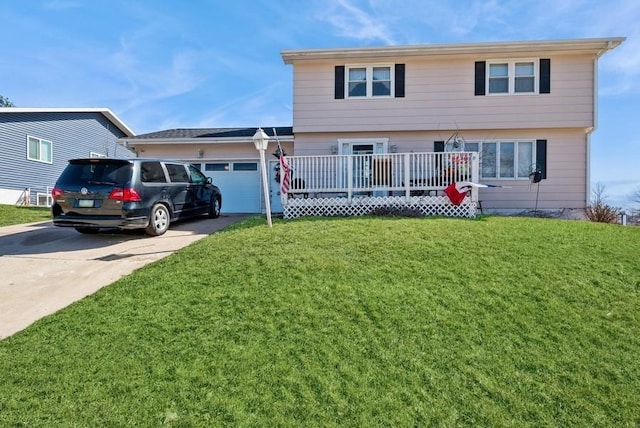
(39, 150)
(498, 78)
(524, 77)
(369, 81)
(515, 77)
(521, 76)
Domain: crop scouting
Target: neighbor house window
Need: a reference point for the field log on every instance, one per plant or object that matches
(512, 77)
(369, 81)
(506, 159)
(39, 150)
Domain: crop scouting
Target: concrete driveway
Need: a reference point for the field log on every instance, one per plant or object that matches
(44, 268)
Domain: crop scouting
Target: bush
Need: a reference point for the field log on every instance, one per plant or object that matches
(599, 211)
(602, 213)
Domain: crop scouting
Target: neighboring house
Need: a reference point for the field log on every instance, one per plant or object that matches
(37, 143)
(524, 106)
(227, 155)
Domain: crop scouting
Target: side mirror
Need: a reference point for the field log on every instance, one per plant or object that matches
(209, 180)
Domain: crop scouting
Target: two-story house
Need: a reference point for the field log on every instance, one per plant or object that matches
(37, 143)
(523, 106)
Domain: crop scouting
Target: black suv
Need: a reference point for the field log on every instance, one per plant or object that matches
(136, 193)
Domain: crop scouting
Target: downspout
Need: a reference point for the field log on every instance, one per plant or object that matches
(590, 131)
(594, 126)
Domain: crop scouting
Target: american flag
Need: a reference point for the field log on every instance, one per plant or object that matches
(285, 170)
(285, 174)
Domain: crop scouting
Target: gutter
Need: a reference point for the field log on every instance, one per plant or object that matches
(185, 141)
(611, 44)
(583, 46)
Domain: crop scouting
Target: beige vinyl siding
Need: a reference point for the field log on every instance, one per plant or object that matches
(440, 94)
(215, 152)
(565, 186)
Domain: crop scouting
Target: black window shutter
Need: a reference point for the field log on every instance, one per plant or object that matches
(399, 85)
(541, 157)
(339, 90)
(545, 76)
(438, 146)
(481, 70)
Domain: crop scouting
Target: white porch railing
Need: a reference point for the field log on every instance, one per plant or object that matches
(378, 180)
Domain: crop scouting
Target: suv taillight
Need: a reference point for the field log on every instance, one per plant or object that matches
(56, 193)
(125, 195)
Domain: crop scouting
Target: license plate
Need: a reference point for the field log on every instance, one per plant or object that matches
(85, 203)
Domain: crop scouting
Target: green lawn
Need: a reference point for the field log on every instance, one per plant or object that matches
(349, 322)
(11, 214)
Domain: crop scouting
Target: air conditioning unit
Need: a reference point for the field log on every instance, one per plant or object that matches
(43, 199)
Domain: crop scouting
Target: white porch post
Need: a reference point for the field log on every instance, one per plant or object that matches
(475, 175)
(407, 176)
(261, 141)
(350, 178)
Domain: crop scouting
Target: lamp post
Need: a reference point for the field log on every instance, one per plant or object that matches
(261, 141)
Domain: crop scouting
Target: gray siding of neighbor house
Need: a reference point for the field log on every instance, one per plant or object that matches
(72, 134)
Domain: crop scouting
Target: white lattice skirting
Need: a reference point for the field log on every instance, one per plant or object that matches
(427, 205)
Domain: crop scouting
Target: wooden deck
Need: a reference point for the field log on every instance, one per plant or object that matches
(346, 185)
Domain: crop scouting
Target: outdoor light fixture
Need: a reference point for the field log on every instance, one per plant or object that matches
(261, 141)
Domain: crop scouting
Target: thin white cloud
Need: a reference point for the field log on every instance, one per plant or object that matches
(353, 22)
(254, 108)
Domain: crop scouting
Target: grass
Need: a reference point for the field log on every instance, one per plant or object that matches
(349, 322)
(11, 214)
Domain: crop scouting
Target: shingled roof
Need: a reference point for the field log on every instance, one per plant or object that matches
(195, 133)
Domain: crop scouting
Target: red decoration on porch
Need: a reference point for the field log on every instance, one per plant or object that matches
(455, 196)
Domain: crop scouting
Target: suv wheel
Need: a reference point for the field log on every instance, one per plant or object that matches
(214, 208)
(158, 221)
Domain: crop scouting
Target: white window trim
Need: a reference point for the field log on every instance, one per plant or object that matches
(97, 155)
(515, 157)
(511, 75)
(369, 81)
(350, 142)
(40, 141)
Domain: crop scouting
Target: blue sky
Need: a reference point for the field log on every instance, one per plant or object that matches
(161, 64)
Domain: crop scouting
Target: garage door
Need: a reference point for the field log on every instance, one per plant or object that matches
(239, 182)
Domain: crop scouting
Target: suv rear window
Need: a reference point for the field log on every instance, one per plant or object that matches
(84, 173)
